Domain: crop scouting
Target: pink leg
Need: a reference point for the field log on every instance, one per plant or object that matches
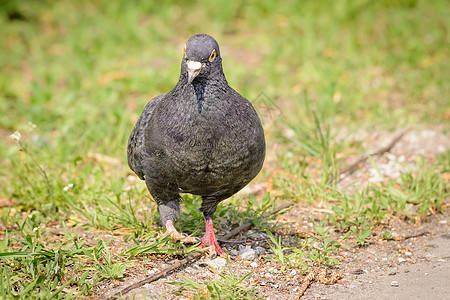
(209, 240)
(170, 230)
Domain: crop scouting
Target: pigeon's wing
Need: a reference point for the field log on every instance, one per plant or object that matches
(136, 140)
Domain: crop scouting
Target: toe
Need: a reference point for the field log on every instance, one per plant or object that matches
(189, 239)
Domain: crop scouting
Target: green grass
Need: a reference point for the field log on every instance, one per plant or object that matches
(229, 286)
(77, 74)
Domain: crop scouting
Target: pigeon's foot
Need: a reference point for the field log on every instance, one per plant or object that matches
(176, 236)
(209, 240)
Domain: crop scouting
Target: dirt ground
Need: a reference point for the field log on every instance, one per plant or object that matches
(412, 268)
(419, 266)
(415, 265)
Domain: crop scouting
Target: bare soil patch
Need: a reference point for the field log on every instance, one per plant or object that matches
(413, 265)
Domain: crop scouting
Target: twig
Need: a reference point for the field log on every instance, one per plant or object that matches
(416, 235)
(188, 258)
(352, 167)
(157, 276)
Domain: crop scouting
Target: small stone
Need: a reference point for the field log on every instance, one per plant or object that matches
(407, 253)
(358, 272)
(216, 263)
(384, 259)
(293, 273)
(426, 274)
(268, 275)
(260, 250)
(254, 265)
(249, 255)
(243, 249)
(440, 260)
(394, 283)
(234, 252)
(152, 271)
(401, 259)
(258, 235)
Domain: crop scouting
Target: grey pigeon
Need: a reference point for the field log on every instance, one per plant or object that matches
(201, 138)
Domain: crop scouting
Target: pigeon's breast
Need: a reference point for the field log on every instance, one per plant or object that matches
(211, 148)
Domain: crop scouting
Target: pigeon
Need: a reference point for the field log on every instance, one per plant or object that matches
(201, 138)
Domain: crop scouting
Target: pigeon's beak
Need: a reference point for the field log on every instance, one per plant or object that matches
(194, 68)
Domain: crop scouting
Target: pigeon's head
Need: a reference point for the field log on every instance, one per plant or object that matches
(201, 57)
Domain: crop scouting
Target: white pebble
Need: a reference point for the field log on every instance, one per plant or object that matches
(152, 271)
(217, 262)
(249, 255)
(394, 283)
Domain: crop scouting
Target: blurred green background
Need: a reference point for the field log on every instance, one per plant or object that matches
(82, 71)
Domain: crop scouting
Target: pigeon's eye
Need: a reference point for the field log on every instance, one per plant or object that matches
(184, 49)
(212, 56)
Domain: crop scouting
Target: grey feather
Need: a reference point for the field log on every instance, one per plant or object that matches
(212, 147)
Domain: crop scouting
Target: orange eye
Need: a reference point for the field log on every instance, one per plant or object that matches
(184, 49)
(212, 56)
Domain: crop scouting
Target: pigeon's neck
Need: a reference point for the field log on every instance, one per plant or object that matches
(199, 88)
(201, 84)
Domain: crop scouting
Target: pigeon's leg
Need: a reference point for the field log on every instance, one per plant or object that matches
(209, 240)
(170, 230)
(168, 213)
(209, 206)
